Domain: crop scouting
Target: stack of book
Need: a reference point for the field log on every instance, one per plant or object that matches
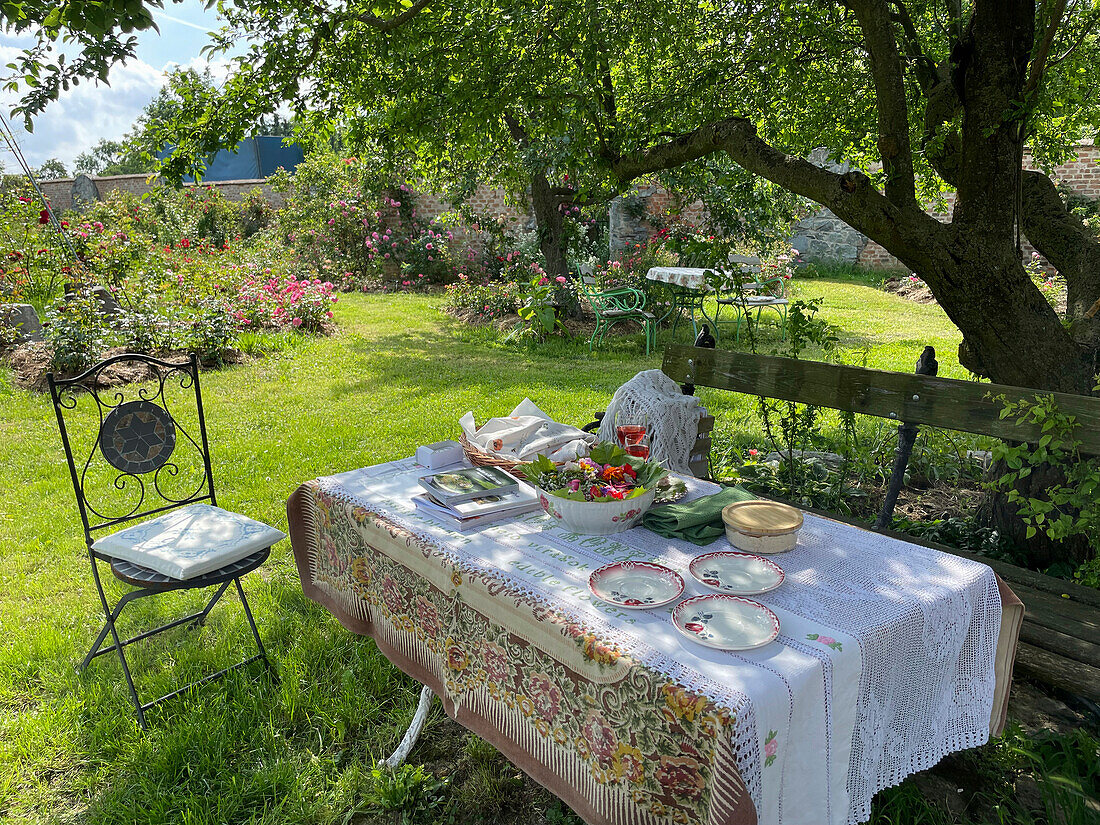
(468, 498)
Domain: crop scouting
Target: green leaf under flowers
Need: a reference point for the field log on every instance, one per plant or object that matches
(565, 492)
(608, 453)
(532, 470)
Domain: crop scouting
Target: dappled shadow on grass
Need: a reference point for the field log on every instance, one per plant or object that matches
(244, 748)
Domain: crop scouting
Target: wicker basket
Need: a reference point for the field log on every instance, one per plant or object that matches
(480, 458)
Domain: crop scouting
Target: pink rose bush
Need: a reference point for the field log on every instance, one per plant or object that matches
(279, 302)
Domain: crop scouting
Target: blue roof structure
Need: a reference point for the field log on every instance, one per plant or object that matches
(254, 157)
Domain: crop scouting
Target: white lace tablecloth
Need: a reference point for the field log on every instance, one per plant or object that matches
(884, 664)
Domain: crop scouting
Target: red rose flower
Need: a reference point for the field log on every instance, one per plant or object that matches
(681, 776)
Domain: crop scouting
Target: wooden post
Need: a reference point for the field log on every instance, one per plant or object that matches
(907, 436)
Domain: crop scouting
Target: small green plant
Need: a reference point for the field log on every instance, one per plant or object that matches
(148, 332)
(76, 332)
(791, 428)
(960, 533)
(538, 313)
(212, 332)
(558, 814)
(1088, 574)
(1070, 505)
(819, 485)
(410, 793)
(804, 328)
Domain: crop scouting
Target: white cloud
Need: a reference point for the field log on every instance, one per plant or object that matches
(84, 115)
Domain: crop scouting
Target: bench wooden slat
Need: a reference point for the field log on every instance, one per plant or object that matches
(916, 399)
(1055, 641)
(1062, 615)
(1076, 677)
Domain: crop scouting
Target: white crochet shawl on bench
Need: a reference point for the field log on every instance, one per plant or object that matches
(673, 417)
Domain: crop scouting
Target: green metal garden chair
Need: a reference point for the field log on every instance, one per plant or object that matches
(612, 306)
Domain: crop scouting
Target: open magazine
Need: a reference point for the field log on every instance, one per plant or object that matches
(455, 486)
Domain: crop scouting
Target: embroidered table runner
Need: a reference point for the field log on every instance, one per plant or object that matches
(884, 663)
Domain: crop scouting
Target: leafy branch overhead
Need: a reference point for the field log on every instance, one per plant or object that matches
(100, 32)
(574, 101)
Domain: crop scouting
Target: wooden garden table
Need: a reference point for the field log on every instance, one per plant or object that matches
(614, 711)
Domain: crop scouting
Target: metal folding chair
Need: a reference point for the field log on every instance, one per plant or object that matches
(746, 289)
(149, 457)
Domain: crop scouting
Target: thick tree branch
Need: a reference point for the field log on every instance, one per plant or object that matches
(888, 75)
(515, 129)
(1068, 244)
(904, 230)
(942, 148)
(385, 24)
(955, 13)
(1038, 65)
(1086, 30)
(924, 67)
(610, 108)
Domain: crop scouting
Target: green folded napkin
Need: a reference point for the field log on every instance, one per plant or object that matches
(698, 521)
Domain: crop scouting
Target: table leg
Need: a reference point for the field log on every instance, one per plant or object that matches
(413, 733)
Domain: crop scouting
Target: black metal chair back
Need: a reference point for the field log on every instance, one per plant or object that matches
(149, 452)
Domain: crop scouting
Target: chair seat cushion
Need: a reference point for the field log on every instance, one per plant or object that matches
(190, 541)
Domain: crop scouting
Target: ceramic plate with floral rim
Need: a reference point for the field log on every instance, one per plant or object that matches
(637, 585)
(741, 574)
(726, 622)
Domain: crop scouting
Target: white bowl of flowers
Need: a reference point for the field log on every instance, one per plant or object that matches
(606, 492)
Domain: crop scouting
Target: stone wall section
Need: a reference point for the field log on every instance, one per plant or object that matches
(634, 216)
(821, 235)
(1080, 174)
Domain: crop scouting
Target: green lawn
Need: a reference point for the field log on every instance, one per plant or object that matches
(398, 374)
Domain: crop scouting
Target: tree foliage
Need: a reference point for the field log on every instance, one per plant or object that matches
(136, 151)
(924, 96)
(74, 41)
(51, 169)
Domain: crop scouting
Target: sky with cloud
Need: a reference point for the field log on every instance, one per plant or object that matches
(89, 112)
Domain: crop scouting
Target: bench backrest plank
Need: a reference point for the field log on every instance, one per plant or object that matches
(916, 399)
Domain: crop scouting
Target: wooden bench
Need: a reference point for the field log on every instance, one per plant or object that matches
(1060, 636)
